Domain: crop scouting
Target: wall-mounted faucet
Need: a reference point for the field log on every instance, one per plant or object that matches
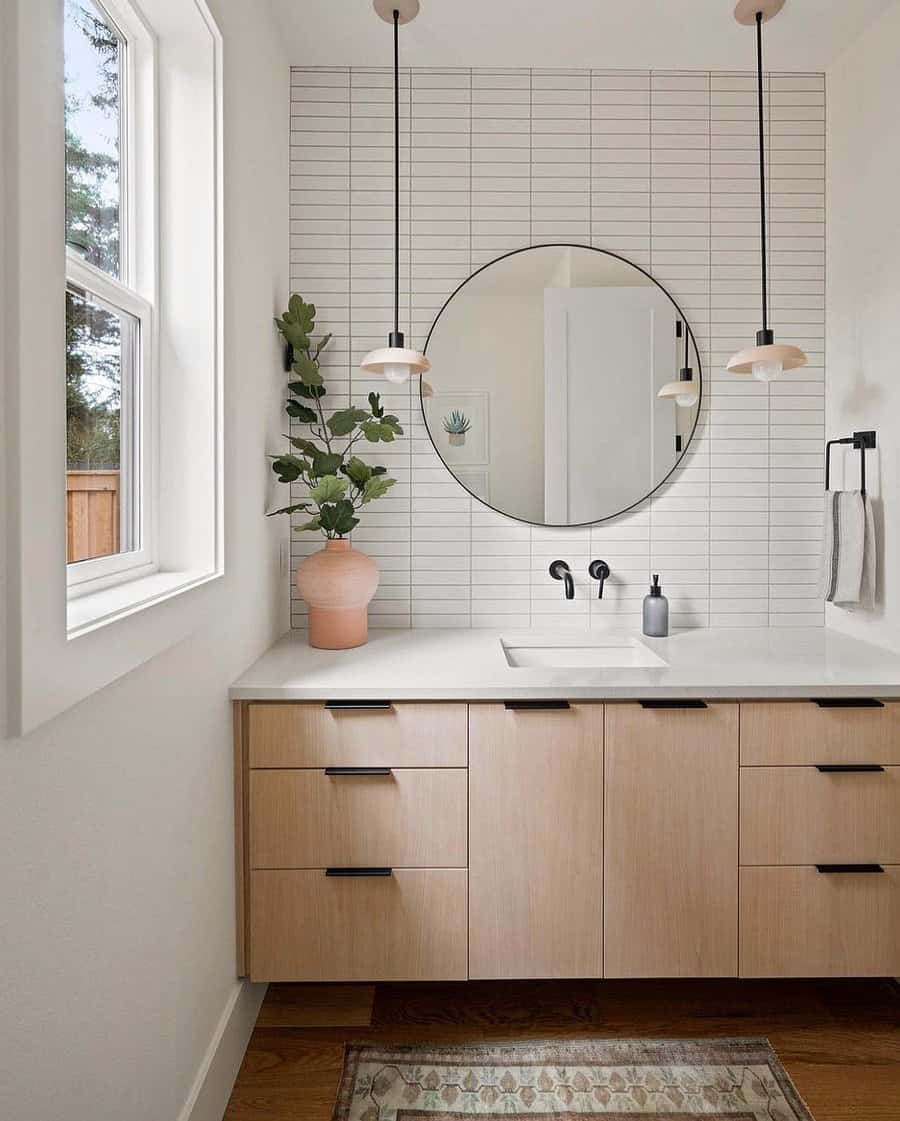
(559, 570)
(599, 570)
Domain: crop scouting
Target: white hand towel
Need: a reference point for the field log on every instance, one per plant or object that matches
(848, 562)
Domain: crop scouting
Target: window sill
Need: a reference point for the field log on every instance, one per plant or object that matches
(87, 613)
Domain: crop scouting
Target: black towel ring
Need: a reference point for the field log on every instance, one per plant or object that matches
(861, 441)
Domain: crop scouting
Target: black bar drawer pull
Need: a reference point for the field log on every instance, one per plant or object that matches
(847, 702)
(337, 706)
(535, 706)
(849, 768)
(346, 872)
(840, 868)
(336, 772)
(674, 704)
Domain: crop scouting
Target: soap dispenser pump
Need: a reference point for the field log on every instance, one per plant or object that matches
(656, 612)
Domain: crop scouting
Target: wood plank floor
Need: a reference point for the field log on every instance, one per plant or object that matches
(839, 1040)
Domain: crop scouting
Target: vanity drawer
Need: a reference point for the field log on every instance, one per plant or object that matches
(799, 922)
(800, 815)
(798, 733)
(401, 735)
(406, 818)
(409, 926)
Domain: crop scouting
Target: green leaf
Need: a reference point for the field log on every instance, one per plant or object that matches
(344, 421)
(376, 430)
(293, 334)
(300, 412)
(375, 403)
(329, 488)
(288, 468)
(314, 523)
(306, 369)
(301, 313)
(323, 342)
(297, 322)
(310, 392)
(357, 471)
(298, 506)
(325, 463)
(306, 446)
(338, 519)
(376, 487)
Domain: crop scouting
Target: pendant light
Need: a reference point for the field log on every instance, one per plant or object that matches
(396, 361)
(767, 359)
(686, 390)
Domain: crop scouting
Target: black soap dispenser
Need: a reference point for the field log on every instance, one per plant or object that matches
(656, 612)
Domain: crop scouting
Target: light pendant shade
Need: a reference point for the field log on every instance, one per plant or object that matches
(766, 361)
(686, 390)
(396, 363)
(686, 393)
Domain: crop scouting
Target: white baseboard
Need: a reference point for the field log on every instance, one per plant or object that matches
(212, 1087)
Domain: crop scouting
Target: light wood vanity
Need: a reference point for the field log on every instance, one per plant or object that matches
(447, 840)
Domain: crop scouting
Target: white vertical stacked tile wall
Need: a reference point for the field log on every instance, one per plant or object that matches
(660, 167)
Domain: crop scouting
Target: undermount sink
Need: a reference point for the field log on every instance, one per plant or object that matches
(606, 653)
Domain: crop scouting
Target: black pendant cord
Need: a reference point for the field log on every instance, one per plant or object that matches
(762, 173)
(396, 174)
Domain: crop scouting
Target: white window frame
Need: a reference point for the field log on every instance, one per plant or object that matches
(64, 649)
(133, 293)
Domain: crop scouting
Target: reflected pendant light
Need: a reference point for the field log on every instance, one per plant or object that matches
(396, 361)
(686, 390)
(767, 359)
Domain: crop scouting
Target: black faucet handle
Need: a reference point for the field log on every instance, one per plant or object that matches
(599, 570)
(559, 570)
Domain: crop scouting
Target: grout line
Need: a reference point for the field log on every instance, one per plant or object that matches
(708, 434)
(409, 438)
(471, 500)
(650, 541)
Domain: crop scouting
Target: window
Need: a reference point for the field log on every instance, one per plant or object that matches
(133, 342)
(109, 310)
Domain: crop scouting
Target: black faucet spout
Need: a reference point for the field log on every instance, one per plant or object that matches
(559, 570)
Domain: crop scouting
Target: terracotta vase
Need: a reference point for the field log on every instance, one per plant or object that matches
(337, 583)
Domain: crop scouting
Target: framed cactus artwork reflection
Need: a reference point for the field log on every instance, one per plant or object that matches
(461, 423)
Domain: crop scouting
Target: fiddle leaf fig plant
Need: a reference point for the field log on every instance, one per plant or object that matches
(338, 482)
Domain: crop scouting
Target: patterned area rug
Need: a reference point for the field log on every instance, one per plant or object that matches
(619, 1080)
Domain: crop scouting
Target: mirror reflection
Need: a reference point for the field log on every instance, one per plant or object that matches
(544, 394)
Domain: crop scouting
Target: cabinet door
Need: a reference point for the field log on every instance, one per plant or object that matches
(671, 848)
(535, 842)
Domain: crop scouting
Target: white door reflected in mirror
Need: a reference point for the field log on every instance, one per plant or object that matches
(544, 388)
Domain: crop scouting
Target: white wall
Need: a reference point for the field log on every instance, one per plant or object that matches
(116, 874)
(657, 166)
(864, 293)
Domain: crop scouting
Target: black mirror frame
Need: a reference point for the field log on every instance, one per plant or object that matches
(691, 336)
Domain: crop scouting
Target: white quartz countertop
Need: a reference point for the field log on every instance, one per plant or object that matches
(431, 664)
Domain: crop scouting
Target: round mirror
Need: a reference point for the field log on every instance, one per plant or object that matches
(564, 386)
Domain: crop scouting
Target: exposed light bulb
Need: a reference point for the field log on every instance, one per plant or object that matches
(396, 372)
(688, 400)
(768, 370)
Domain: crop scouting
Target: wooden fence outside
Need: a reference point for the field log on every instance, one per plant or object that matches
(92, 514)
